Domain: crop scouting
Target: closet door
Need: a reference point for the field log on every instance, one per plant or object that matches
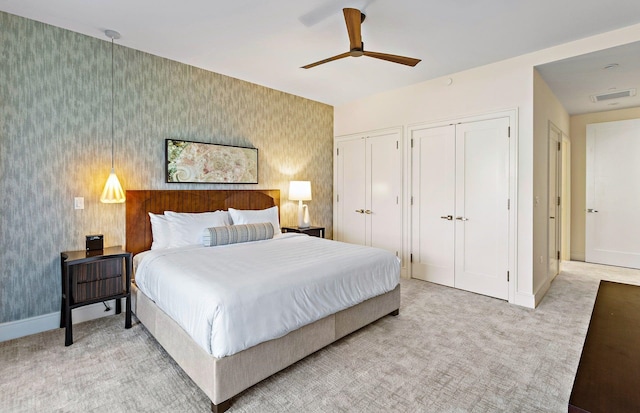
(482, 215)
(460, 216)
(351, 191)
(383, 211)
(432, 213)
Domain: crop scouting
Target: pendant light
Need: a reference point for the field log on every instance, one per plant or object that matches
(112, 192)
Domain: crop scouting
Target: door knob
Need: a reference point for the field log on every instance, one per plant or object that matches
(367, 211)
(447, 217)
(462, 219)
(360, 211)
(591, 210)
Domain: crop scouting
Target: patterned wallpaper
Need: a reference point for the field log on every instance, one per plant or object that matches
(55, 144)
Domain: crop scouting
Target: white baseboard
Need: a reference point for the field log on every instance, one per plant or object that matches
(525, 300)
(542, 291)
(39, 324)
(577, 255)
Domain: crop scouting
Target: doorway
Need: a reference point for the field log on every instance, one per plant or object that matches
(554, 201)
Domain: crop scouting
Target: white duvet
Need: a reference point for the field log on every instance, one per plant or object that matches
(232, 297)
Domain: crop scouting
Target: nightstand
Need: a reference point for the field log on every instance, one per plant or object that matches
(92, 277)
(313, 231)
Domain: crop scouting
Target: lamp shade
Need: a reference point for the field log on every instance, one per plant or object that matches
(300, 191)
(112, 192)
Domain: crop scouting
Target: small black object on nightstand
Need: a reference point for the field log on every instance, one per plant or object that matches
(313, 231)
(95, 243)
(90, 277)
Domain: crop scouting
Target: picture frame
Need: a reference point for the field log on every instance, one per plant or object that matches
(211, 163)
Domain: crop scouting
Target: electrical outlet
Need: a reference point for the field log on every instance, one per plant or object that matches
(78, 202)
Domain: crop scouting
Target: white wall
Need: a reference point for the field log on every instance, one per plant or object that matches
(546, 108)
(504, 85)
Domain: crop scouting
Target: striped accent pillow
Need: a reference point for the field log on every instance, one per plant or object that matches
(233, 234)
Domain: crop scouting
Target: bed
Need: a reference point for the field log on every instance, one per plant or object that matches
(223, 377)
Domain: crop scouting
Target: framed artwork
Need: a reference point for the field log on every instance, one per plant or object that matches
(198, 162)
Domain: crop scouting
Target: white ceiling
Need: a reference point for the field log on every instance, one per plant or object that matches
(576, 79)
(266, 42)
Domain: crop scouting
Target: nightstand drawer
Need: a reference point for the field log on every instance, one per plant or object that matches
(95, 280)
(97, 289)
(96, 271)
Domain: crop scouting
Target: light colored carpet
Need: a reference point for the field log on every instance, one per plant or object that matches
(447, 351)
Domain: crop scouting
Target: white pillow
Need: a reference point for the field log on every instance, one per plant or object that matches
(250, 216)
(233, 234)
(160, 231)
(186, 228)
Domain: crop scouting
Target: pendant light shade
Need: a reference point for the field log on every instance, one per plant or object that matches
(112, 192)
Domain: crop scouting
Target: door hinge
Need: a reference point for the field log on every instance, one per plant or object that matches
(397, 200)
(338, 152)
(411, 199)
(338, 198)
(397, 145)
(411, 257)
(559, 146)
(507, 276)
(558, 255)
(508, 131)
(412, 143)
(508, 204)
(558, 201)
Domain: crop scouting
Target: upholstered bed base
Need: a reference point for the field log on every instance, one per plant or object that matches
(223, 378)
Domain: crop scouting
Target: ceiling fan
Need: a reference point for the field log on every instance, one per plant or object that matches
(354, 19)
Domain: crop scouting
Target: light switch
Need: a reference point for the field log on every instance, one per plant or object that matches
(78, 202)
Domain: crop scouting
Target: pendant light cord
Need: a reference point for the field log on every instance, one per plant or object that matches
(112, 104)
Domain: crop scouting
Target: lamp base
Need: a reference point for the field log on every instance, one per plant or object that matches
(303, 216)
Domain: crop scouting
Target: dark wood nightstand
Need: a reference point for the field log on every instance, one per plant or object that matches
(90, 277)
(313, 231)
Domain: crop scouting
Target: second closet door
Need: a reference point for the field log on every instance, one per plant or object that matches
(434, 190)
(482, 215)
(460, 220)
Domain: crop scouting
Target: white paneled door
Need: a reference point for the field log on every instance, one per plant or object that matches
(460, 216)
(612, 227)
(369, 190)
(383, 209)
(351, 191)
(434, 190)
(553, 201)
(482, 215)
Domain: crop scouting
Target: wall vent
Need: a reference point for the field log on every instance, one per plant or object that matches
(618, 94)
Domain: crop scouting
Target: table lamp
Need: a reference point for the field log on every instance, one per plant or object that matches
(301, 191)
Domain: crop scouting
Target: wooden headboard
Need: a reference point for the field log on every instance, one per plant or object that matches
(140, 203)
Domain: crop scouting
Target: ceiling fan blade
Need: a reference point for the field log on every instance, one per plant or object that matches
(403, 60)
(331, 59)
(353, 19)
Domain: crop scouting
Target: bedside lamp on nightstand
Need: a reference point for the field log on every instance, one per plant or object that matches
(301, 191)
